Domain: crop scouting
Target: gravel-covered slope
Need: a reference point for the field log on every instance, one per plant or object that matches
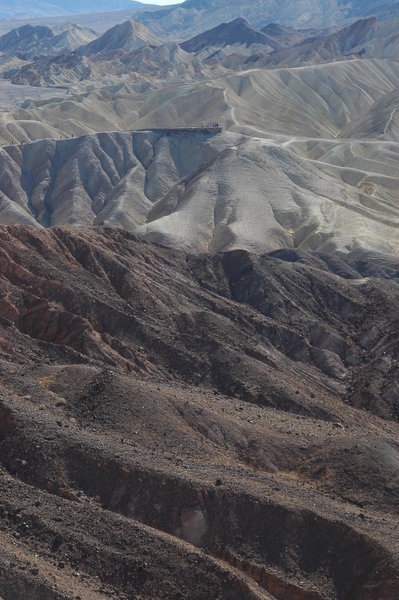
(213, 427)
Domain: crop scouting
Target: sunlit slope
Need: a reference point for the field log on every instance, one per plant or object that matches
(313, 101)
(206, 192)
(308, 158)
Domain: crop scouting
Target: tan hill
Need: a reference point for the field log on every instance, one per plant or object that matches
(128, 36)
(313, 101)
(29, 42)
(197, 190)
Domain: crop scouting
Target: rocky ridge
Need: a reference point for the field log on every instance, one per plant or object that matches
(30, 42)
(196, 16)
(176, 188)
(175, 404)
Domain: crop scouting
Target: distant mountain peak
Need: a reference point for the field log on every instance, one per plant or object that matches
(27, 9)
(31, 41)
(127, 36)
(238, 31)
(195, 16)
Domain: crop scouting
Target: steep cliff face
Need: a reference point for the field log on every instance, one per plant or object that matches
(196, 426)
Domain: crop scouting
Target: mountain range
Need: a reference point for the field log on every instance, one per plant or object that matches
(37, 8)
(195, 16)
(29, 42)
(232, 46)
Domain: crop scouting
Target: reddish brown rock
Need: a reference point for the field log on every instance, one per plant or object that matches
(176, 426)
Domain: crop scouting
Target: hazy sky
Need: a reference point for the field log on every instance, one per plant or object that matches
(163, 2)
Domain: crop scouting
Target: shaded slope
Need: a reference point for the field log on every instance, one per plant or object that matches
(367, 38)
(238, 31)
(380, 121)
(29, 42)
(21, 39)
(286, 36)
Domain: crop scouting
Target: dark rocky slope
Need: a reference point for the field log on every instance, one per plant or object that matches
(221, 426)
(238, 31)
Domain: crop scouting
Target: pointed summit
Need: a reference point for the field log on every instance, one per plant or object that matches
(29, 42)
(238, 31)
(127, 36)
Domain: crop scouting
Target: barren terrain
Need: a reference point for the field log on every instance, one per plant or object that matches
(199, 325)
(305, 161)
(219, 426)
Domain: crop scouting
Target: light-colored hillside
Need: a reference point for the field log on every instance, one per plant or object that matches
(128, 36)
(313, 101)
(29, 42)
(202, 191)
(308, 158)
